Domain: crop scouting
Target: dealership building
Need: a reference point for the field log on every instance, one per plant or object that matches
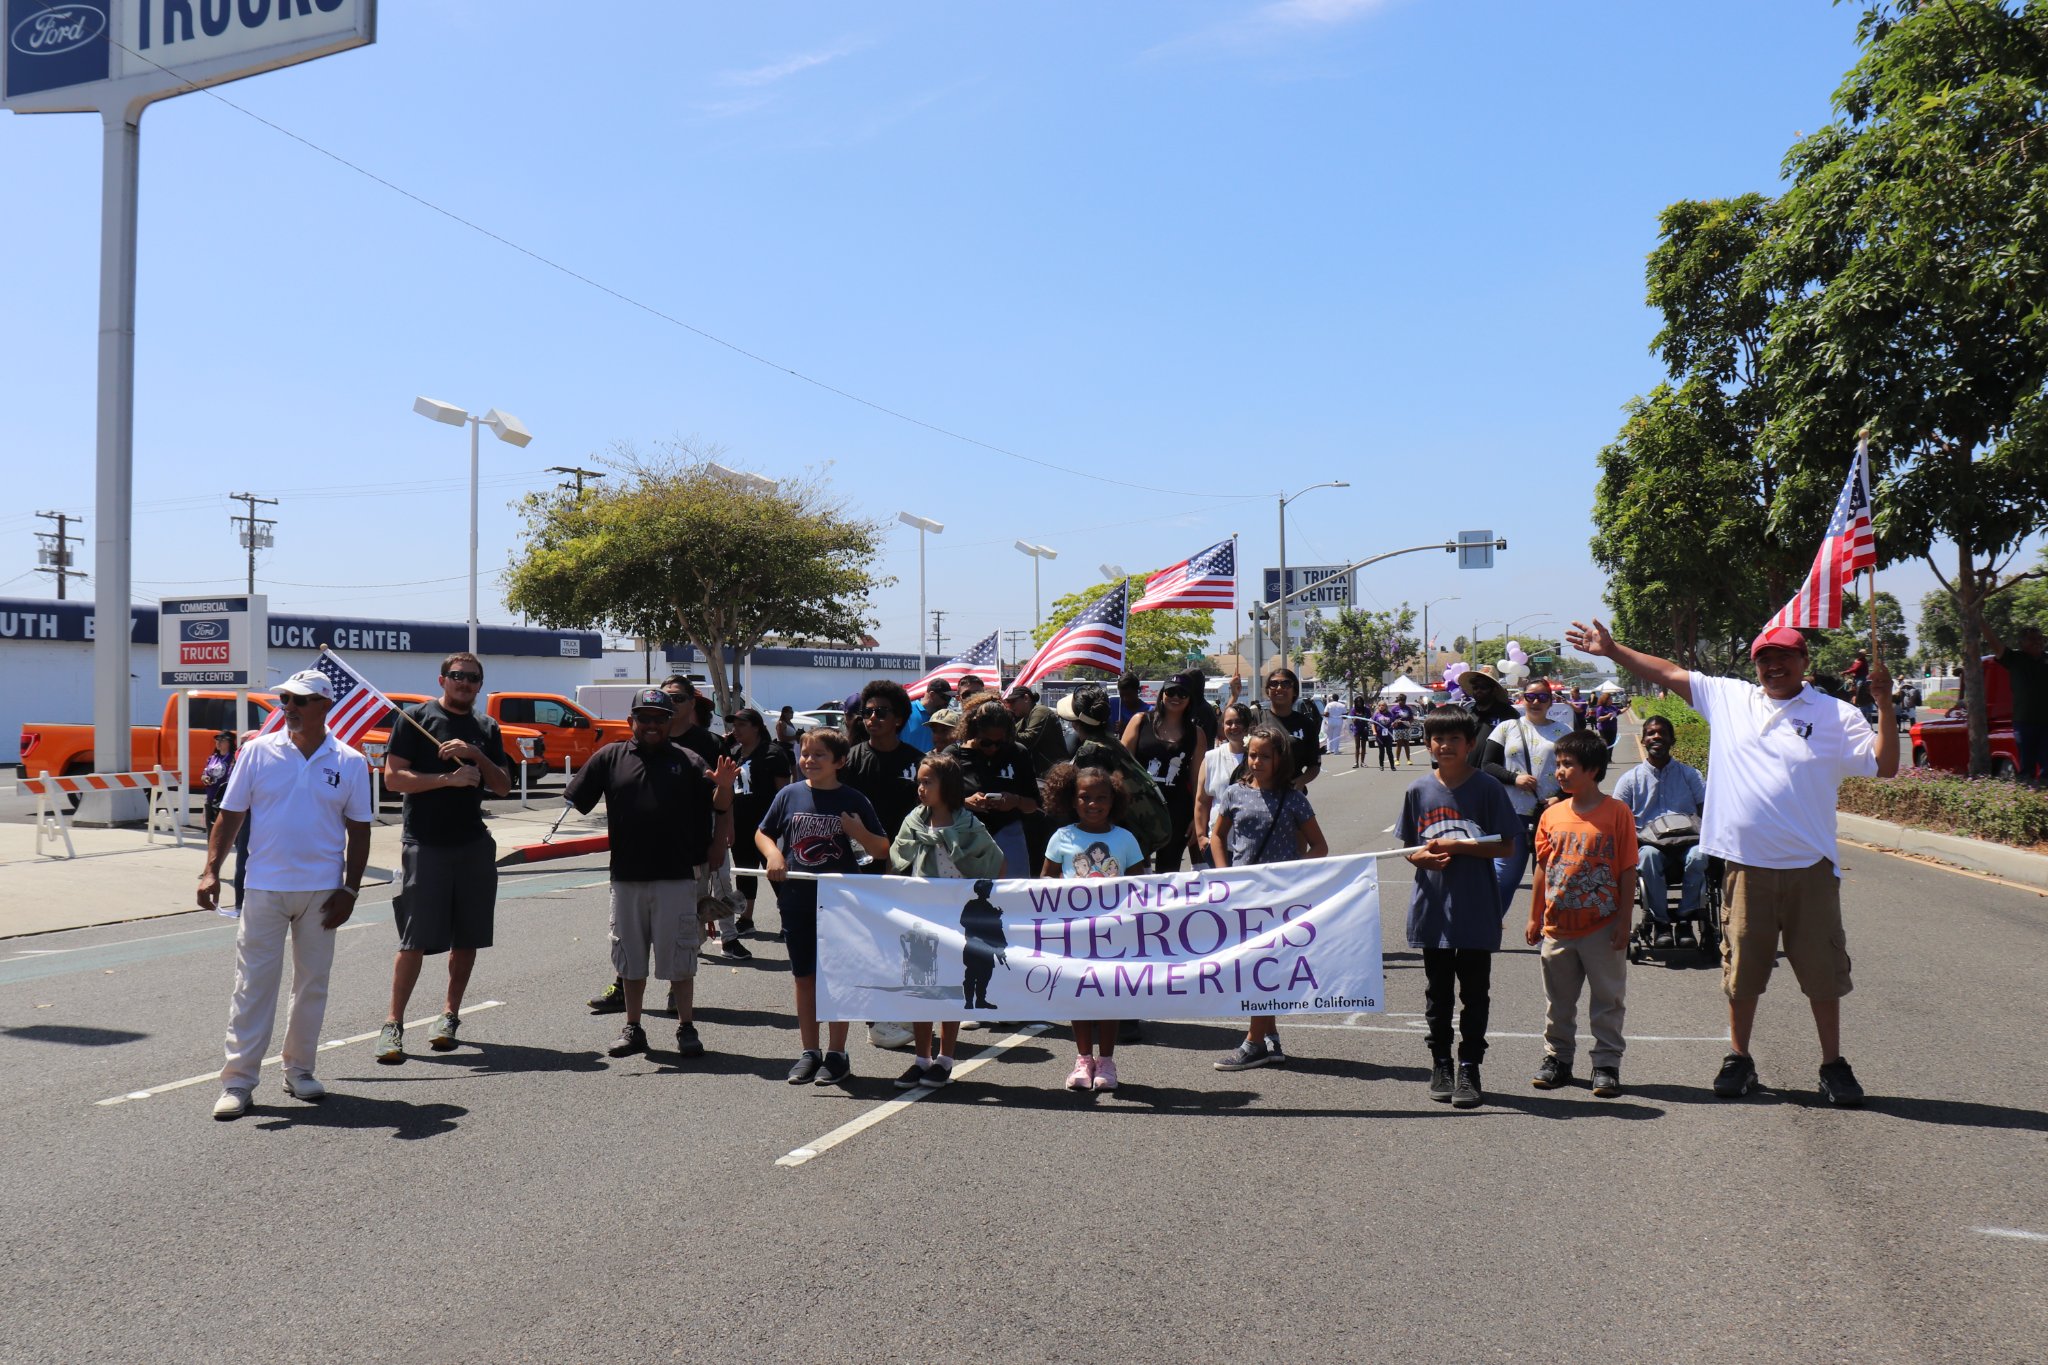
(46, 661)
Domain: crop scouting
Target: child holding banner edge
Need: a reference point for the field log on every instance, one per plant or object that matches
(1454, 916)
(1093, 845)
(941, 838)
(1264, 818)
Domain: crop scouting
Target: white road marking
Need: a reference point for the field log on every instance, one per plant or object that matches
(330, 1044)
(2017, 1234)
(891, 1108)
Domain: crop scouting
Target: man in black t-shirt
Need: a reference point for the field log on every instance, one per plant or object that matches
(442, 761)
(882, 767)
(1303, 725)
(661, 808)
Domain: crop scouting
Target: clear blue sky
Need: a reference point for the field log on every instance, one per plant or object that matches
(1215, 248)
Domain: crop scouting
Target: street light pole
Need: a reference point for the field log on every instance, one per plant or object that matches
(1284, 594)
(1037, 552)
(1428, 650)
(923, 524)
(508, 429)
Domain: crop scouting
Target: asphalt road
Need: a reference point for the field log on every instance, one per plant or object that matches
(527, 1198)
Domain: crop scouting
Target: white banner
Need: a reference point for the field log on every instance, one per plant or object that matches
(1286, 938)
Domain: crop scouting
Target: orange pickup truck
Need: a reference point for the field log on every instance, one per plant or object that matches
(572, 733)
(521, 741)
(65, 750)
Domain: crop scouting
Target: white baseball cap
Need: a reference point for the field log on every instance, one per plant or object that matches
(308, 682)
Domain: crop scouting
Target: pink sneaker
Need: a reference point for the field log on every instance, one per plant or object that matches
(1083, 1075)
(1105, 1073)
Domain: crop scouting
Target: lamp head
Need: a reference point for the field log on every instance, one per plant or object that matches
(439, 411)
(920, 523)
(509, 429)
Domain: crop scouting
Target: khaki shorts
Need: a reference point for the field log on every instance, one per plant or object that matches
(1800, 905)
(661, 916)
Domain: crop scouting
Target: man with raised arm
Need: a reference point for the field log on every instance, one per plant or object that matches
(1778, 751)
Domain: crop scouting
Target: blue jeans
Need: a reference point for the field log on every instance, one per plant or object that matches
(1653, 867)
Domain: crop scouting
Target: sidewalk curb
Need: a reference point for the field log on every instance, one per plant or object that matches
(1979, 855)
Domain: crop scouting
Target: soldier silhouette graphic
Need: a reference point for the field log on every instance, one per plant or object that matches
(982, 923)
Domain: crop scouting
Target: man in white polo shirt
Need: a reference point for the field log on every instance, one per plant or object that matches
(1778, 750)
(311, 796)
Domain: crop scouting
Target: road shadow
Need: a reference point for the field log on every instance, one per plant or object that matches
(505, 1059)
(1952, 1113)
(407, 1122)
(74, 1035)
(716, 1063)
(722, 1017)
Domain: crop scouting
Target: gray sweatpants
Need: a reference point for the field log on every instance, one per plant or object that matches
(1569, 964)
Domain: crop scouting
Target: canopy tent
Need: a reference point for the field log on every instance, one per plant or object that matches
(1610, 686)
(1404, 686)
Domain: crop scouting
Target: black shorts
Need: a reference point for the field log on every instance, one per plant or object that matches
(447, 896)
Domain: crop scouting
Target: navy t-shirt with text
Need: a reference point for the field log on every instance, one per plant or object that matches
(804, 823)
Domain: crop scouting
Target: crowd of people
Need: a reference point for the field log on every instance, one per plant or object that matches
(1005, 786)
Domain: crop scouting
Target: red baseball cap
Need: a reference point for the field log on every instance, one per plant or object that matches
(1777, 637)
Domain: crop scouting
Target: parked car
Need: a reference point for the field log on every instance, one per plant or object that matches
(1944, 742)
(822, 718)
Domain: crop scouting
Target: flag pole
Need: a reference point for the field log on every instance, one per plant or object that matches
(431, 737)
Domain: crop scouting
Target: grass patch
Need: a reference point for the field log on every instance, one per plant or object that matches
(1690, 745)
(1997, 809)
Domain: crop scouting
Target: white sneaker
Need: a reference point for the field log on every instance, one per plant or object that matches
(232, 1104)
(890, 1035)
(301, 1085)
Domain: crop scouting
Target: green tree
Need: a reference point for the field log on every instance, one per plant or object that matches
(1833, 650)
(1458, 645)
(1914, 233)
(676, 551)
(2017, 600)
(1156, 643)
(1681, 512)
(1361, 648)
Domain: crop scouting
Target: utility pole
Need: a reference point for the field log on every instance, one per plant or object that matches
(1016, 639)
(256, 531)
(578, 474)
(938, 640)
(56, 552)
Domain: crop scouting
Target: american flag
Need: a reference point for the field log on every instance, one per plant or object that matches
(1094, 638)
(1848, 547)
(979, 659)
(1208, 579)
(358, 706)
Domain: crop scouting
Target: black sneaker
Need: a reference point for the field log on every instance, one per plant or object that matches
(1606, 1081)
(1466, 1094)
(1737, 1076)
(1551, 1073)
(1440, 1080)
(834, 1070)
(1664, 937)
(733, 948)
(938, 1075)
(632, 1039)
(912, 1078)
(743, 925)
(806, 1068)
(688, 1044)
(1247, 1055)
(1838, 1085)
(613, 1001)
(1275, 1055)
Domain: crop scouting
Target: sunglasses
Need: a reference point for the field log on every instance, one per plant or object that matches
(292, 699)
(464, 677)
(876, 713)
(1535, 696)
(1278, 682)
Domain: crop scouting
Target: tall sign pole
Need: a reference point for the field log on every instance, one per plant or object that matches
(116, 58)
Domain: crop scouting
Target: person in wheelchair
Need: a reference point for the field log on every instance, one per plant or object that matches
(1666, 797)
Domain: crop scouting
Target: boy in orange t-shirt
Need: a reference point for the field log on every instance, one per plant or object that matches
(1585, 883)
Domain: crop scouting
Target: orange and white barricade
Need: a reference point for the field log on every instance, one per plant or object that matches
(53, 811)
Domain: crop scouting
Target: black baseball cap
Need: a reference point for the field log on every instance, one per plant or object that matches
(653, 699)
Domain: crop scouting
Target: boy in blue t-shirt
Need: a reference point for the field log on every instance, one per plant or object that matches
(1464, 820)
(814, 826)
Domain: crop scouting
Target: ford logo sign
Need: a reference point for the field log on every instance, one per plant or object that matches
(60, 28)
(203, 630)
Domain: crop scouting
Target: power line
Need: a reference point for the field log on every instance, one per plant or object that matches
(579, 474)
(652, 311)
(938, 640)
(56, 551)
(1016, 639)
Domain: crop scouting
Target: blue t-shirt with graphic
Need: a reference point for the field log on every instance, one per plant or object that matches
(1113, 853)
(1459, 907)
(804, 823)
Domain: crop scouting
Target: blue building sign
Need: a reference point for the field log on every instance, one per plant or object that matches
(23, 618)
(53, 45)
